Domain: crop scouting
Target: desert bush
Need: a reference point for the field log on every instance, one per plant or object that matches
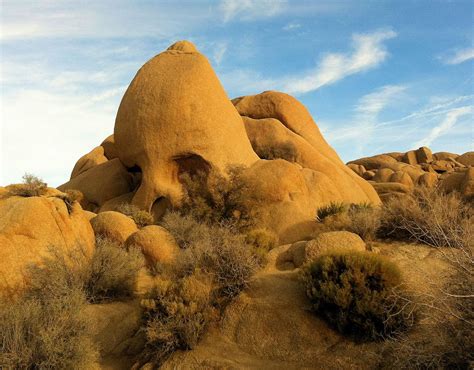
(141, 217)
(261, 238)
(45, 327)
(286, 151)
(354, 292)
(333, 208)
(214, 198)
(112, 272)
(364, 220)
(431, 217)
(217, 249)
(70, 196)
(32, 186)
(176, 315)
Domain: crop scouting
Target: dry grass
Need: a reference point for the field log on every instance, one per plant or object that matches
(354, 293)
(32, 186)
(176, 315)
(142, 218)
(333, 208)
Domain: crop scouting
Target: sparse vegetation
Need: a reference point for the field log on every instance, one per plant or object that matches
(354, 292)
(286, 151)
(32, 186)
(176, 315)
(333, 208)
(431, 217)
(364, 220)
(141, 217)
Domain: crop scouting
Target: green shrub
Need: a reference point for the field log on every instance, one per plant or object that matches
(141, 217)
(176, 315)
(357, 294)
(333, 208)
(32, 186)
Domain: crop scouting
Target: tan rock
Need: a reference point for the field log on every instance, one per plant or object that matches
(442, 165)
(156, 244)
(114, 203)
(466, 159)
(176, 117)
(383, 175)
(428, 179)
(91, 159)
(398, 156)
(410, 157)
(357, 168)
(113, 225)
(101, 183)
(110, 151)
(467, 186)
(402, 177)
(368, 175)
(89, 215)
(333, 241)
(444, 155)
(424, 155)
(270, 135)
(452, 181)
(388, 190)
(29, 227)
(375, 162)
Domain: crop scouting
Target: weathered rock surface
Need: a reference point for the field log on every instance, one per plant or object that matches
(113, 225)
(93, 158)
(156, 244)
(30, 227)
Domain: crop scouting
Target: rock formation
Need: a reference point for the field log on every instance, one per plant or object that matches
(176, 118)
(398, 173)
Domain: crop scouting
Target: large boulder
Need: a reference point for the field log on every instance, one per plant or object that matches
(271, 139)
(110, 151)
(93, 158)
(332, 241)
(424, 155)
(375, 162)
(156, 244)
(30, 227)
(114, 226)
(466, 159)
(101, 183)
(383, 175)
(175, 117)
(444, 155)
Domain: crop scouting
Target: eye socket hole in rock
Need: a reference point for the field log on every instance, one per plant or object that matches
(192, 164)
(159, 208)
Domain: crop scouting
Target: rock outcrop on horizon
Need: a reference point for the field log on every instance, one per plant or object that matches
(398, 173)
(176, 118)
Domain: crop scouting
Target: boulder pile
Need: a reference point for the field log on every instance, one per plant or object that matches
(175, 118)
(398, 173)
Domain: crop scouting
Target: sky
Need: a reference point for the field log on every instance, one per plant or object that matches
(377, 76)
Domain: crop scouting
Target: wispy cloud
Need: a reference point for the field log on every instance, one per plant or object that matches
(219, 52)
(251, 9)
(444, 126)
(460, 56)
(368, 52)
(291, 26)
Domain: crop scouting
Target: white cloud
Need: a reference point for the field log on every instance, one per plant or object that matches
(251, 9)
(291, 26)
(444, 126)
(219, 52)
(460, 56)
(368, 52)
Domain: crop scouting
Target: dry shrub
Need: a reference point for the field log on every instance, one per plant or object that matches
(32, 186)
(431, 217)
(286, 151)
(70, 196)
(45, 327)
(218, 250)
(362, 219)
(176, 315)
(141, 217)
(214, 198)
(333, 208)
(112, 272)
(354, 292)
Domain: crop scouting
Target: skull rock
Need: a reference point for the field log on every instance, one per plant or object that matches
(175, 117)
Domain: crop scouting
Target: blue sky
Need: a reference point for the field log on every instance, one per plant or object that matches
(377, 76)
